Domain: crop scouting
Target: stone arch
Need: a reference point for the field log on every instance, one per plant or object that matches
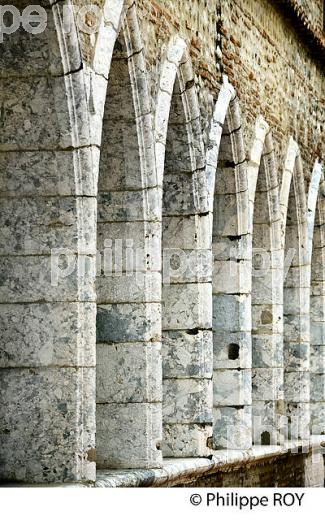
(128, 277)
(186, 289)
(316, 238)
(267, 295)
(231, 245)
(296, 292)
(47, 298)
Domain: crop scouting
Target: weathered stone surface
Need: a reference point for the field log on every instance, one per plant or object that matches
(232, 387)
(132, 287)
(187, 401)
(43, 334)
(61, 277)
(187, 354)
(267, 383)
(232, 427)
(37, 401)
(267, 350)
(186, 440)
(232, 349)
(118, 323)
(128, 373)
(232, 312)
(186, 306)
(128, 435)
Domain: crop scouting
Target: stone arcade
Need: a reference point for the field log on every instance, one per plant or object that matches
(165, 160)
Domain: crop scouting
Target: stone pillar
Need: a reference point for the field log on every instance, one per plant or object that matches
(296, 297)
(187, 294)
(129, 375)
(47, 299)
(232, 397)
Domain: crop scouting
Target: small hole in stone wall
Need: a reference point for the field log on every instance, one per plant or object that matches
(233, 351)
(266, 439)
(158, 445)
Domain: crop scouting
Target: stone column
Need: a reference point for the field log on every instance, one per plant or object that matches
(47, 299)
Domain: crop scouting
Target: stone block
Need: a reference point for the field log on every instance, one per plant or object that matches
(232, 277)
(267, 384)
(186, 306)
(232, 312)
(267, 350)
(269, 422)
(129, 206)
(135, 242)
(232, 428)
(187, 401)
(296, 328)
(39, 225)
(298, 415)
(43, 409)
(317, 387)
(232, 349)
(297, 387)
(232, 387)
(186, 232)
(317, 411)
(129, 372)
(187, 354)
(296, 357)
(128, 436)
(128, 322)
(49, 173)
(186, 440)
(317, 359)
(43, 334)
(187, 266)
(64, 277)
(133, 287)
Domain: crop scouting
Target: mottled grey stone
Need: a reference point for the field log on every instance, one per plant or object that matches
(187, 401)
(129, 435)
(267, 384)
(232, 387)
(268, 422)
(128, 373)
(40, 334)
(232, 427)
(49, 173)
(232, 312)
(39, 225)
(43, 409)
(297, 387)
(317, 387)
(317, 359)
(186, 306)
(133, 287)
(298, 415)
(317, 411)
(267, 350)
(33, 278)
(186, 440)
(128, 206)
(296, 356)
(231, 349)
(187, 354)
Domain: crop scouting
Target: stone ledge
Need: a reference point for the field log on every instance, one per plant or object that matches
(177, 471)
